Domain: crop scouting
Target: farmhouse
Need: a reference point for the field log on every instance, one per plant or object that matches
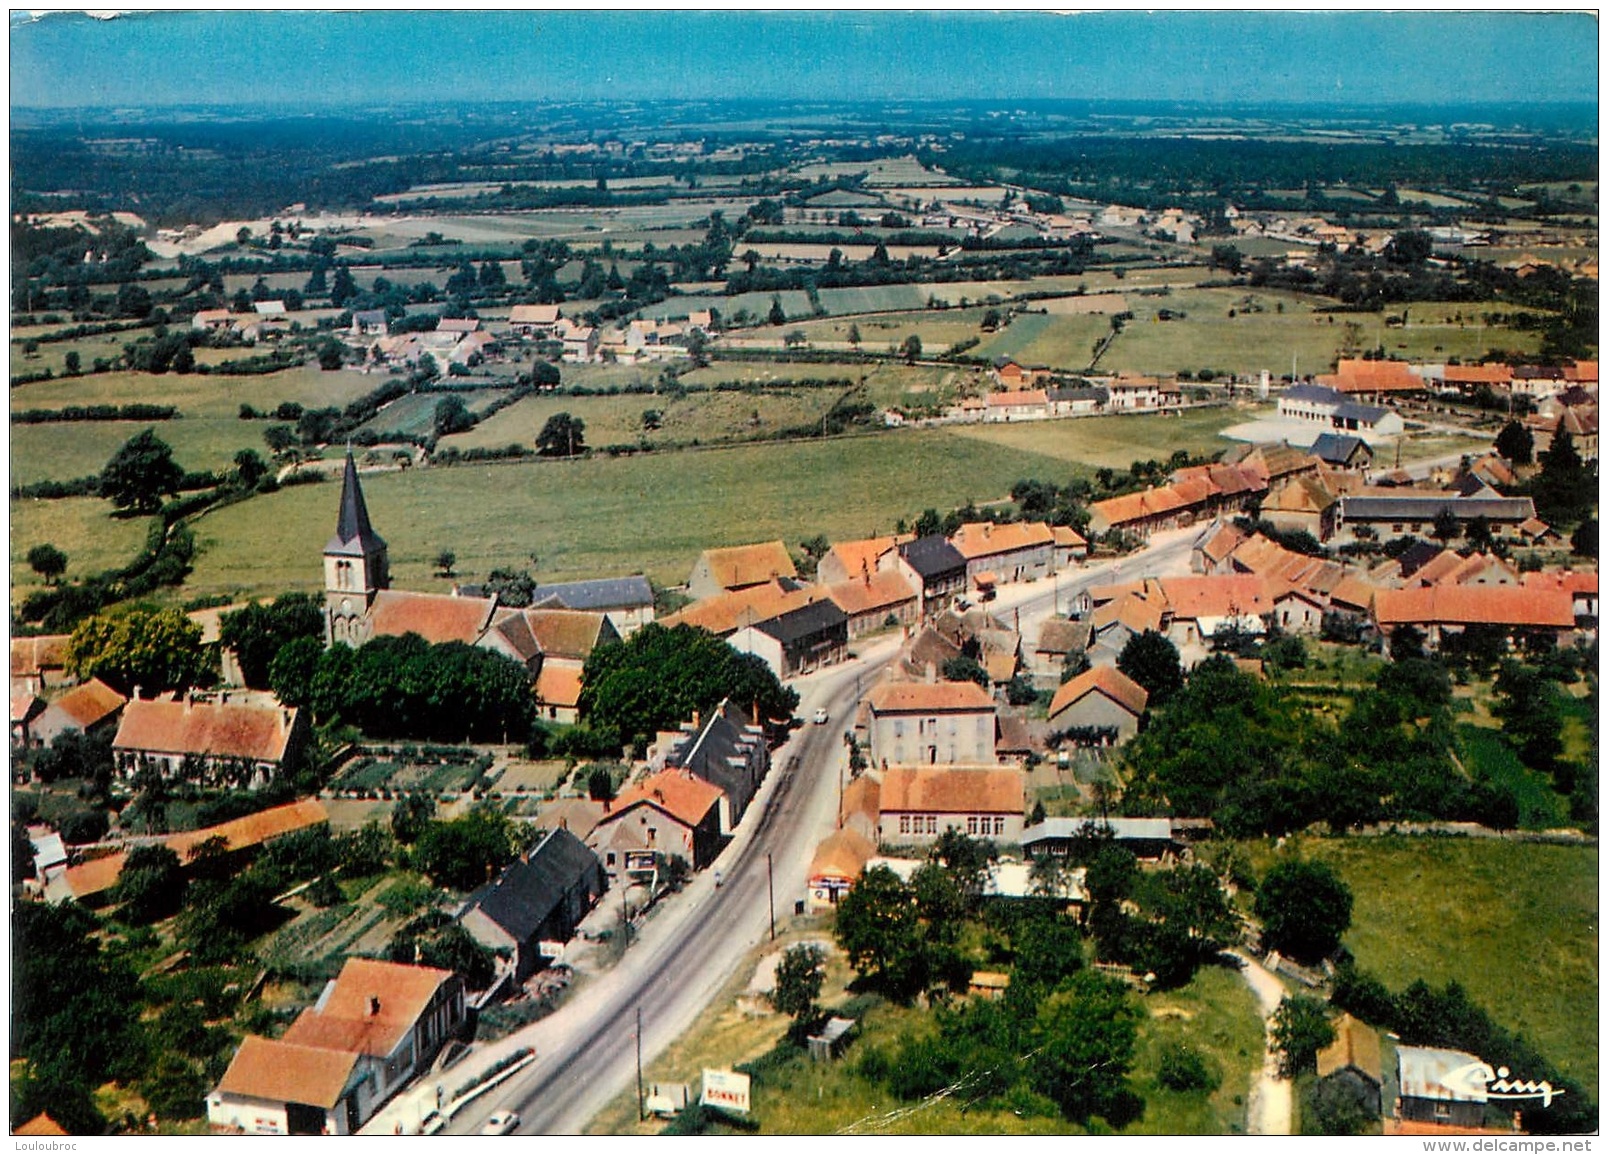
(1373, 378)
(931, 723)
(1302, 503)
(627, 601)
(671, 814)
(215, 741)
(1019, 551)
(1386, 514)
(40, 663)
(798, 640)
(85, 710)
(1017, 405)
(936, 568)
(1439, 610)
(1343, 451)
(533, 320)
(921, 802)
(869, 601)
(1058, 640)
(725, 613)
(856, 559)
(539, 899)
(1076, 401)
(1101, 705)
(1352, 1062)
(373, 1029)
(739, 567)
(728, 751)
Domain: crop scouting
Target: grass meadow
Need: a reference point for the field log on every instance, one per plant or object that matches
(81, 527)
(1112, 441)
(62, 451)
(197, 395)
(1514, 922)
(589, 518)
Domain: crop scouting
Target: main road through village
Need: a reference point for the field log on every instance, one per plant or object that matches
(686, 950)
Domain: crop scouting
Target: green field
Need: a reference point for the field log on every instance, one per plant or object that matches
(62, 451)
(1113, 440)
(413, 414)
(1484, 752)
(81, 527)
(1514, 922)
(650, 514)
(1061, 342)
(198, 395)
(937, 329)
(617, 419)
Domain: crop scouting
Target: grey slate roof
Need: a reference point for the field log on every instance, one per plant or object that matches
(1353, 411)
(522, 898)
(932, 556)
(1412, 508)
(598, 593)
(1121, 828)
(1318, 394)
(720, 755)
(1337, 448)
(354, 536)
(1082, 393)
(806, 621)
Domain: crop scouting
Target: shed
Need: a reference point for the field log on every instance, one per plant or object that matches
(834, 1037)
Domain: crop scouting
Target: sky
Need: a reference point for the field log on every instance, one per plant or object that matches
(157, 59)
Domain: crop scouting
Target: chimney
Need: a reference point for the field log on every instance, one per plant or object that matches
(284, 718)
(932, 673)
(374, 1005)
(136, 691)
(697, 719)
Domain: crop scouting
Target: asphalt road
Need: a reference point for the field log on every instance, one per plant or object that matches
(690, 947)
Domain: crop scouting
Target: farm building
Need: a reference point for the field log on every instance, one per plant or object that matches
(1150, 839)
(84, 709)
(1100, 701)
(538, 900)
(216, 741)
(920, 802)
(939, 723)
(738, 568)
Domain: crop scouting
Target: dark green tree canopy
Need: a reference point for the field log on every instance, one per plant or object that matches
(1152, 661)
(141, 473)
(655, 679)
(156, 650)
(1516, 443)
(257, 632)
(562, 436)
(1305, 907)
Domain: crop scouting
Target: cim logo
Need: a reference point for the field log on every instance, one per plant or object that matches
(1477, 1080)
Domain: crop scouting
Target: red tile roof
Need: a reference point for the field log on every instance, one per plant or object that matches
(980, 539)
(842, 855)
(959, 790)
(928, 697)
(1353, 592)
(1358, 376)
(283, 1072)
(558, 685)
(349, 1021)
(1065, 535)
(1007, 399)
(1107, 680)
(680, 794)
(90, 703)
(44, 652)
(1492, 374)
(726, 612)
(209, 729)
(566, 633)
(41, 1125)
(1582, 582)
(436, 618)
(859, 595)
(1132, 611)
(860, 557)
(1475, 605)
(745, 565)
(863, 796)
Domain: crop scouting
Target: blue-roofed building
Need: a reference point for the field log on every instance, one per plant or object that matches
(1343, 451)
(1368, 420)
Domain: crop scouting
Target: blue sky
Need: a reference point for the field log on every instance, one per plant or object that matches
(356, 58)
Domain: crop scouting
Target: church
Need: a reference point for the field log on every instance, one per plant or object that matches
(548, 640)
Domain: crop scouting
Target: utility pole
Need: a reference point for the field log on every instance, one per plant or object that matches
(642, 1109)
(770, 889)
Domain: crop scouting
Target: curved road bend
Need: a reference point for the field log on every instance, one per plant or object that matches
(691, 945)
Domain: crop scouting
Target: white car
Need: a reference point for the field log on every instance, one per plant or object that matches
(820, 717)
(433, 1123)
(502, 1123)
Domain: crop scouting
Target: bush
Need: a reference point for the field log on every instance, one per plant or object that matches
(1183, 1069)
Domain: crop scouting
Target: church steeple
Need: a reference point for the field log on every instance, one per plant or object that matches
(356, 565)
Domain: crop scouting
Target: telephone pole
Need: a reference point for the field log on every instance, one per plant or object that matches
(642, 1109)
(770, 889)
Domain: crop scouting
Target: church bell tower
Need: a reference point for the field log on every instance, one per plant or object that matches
(355, 566)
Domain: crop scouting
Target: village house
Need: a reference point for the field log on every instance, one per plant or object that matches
(1343, 451)
(839, 861)
(1439, 610)
(936, 568)
(1579, 422)
(1352, 1063)
(874, 600)
(1071, 547)
(725, 613)
(931, 723)
(532, 321)
(1538, 381)
(671, 814)
(580, 342)
(1375, 379)
(25, 707)
(536, 903)
(1302, 503)
(374, 1027)
(39, 663)
(1132, 391)
(1101, 706)
(1077, 400)
(1017, 405)
(797, 640)
(626, 601)
(728, 751)
(212, 741)
(369, 323)
(1580, 586)
(856, 559)
(918, 803)
(1014, 552)
(86, 709)
(1380, 515)
(1058, 641)
(739, 567)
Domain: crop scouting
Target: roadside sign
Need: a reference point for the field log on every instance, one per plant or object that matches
(725, 1089)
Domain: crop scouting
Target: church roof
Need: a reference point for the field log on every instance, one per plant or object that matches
(354, 536)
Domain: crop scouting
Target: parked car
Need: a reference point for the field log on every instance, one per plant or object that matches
(502, 1123)
(820, 717)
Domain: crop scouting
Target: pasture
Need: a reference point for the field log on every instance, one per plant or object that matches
(600, 516)
(1061, 342)
(413, 414)
(63, 451)
(1530, 909)
(1113, 440)
(81, 527)
(198, 395)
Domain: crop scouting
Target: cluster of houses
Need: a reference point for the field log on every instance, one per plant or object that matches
(1039, 393)
(267, 321)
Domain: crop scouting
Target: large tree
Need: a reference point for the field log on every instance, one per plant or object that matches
(1152, 661)
(156, 650)
(1301, 1029)
(1086, 1034)
(799, 975)
(141, 473)
(877, 928)
(1565, 490)
(257, 632)
(467, 851)
(48, 562)
(562, 436)
(655, 680)
(151, 884)
(1516, 443)
(1305, 907)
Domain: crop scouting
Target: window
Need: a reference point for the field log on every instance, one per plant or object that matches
(904, 824)
(971, 824)
(999, 825)
(932, 824)
(610, 858)
(898, 727)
